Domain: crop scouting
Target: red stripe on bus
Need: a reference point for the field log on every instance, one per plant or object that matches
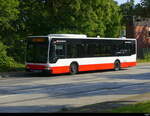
(128, 64)
(66, 69)
(60, 69)
(96, 67)
(36, 67)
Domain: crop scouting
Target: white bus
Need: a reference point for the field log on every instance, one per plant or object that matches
(72, 53)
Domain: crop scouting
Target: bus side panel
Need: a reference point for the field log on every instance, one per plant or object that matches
(128, 64)
(96, 67)
(60, 69)
(104, 66)
(90, 64)
(91, 67)
(129, 61)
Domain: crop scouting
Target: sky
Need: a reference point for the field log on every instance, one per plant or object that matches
(123, 1)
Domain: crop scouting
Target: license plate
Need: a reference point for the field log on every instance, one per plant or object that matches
(37, 70)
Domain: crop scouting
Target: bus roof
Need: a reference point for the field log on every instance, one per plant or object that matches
(68, 35)
(63, 36)
(80, 36)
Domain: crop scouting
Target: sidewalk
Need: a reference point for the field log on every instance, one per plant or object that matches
(11, 74)
(102, 107)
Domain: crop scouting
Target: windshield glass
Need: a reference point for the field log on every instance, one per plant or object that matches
(37, 50)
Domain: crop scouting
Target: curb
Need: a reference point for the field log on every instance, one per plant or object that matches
(10, 74)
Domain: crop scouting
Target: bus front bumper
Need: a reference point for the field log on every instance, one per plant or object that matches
(38, 68)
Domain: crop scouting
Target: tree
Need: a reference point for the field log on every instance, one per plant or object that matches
(5, 61)
(143, 8)
(8, 13)
(92, 17)
(20, 18)
(127, 10)
(70, 16)
(114, 17)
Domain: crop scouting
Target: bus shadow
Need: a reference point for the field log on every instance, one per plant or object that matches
(49, 75)
(100, 71)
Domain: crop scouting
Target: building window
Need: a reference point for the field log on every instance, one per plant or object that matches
(149, 32)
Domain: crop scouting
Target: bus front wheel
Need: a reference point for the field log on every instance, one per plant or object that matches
(73, 68)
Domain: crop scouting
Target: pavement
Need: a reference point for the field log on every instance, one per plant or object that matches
(11, 74)
(103, 107)
(23, 92)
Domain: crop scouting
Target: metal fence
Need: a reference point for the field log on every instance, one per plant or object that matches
(146, 52)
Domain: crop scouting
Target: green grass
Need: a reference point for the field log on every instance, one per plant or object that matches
(16, 67)
(137, 108)
(19, 67)
(100, 108)
(143, 60)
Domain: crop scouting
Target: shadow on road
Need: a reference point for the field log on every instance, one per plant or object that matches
(99, 107)
(36, 74)
(31, 109)
(95, 108)
(83, 88)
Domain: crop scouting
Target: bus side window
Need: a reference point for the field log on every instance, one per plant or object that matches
(119, 49)
(133, 51)
(128, 47)
(71, 50)
(60, 50)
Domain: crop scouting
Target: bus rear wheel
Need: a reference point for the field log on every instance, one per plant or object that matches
(73, 68)
(117, 65)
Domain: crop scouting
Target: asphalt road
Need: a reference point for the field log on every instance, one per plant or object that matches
(35, 92)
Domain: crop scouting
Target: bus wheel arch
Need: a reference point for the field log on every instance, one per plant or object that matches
(74, 68)
(117, 65)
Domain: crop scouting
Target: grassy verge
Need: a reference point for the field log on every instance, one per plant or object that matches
(143, 60)
(16, 67)
(113, 108)
(136, 108)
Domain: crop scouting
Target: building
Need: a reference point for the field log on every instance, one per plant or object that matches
(139, 28)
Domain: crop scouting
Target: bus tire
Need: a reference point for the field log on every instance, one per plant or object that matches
(117, 65)
(73, 68)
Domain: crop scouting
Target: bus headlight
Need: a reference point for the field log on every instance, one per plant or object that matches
(47, 68)
(27, 67)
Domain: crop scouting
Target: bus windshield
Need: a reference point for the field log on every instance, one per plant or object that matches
(37, 51)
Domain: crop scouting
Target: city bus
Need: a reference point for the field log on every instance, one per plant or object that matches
(73, 53)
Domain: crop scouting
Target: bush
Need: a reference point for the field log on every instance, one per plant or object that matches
(16, 48)
(5, 62)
